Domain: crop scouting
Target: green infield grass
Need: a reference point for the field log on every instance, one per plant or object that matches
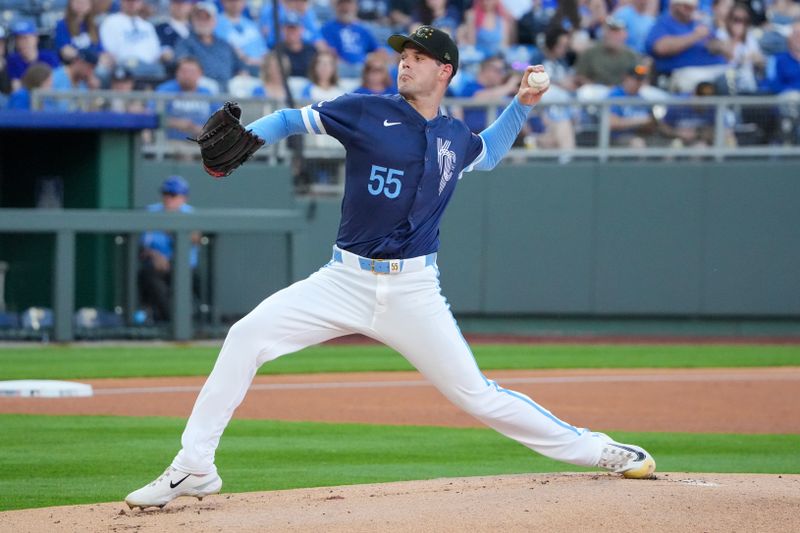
(73, 361)
(49, 460)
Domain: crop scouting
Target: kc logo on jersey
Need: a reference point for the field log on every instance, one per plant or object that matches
(447, 162)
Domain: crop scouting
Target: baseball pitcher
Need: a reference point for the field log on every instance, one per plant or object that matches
(404, 160)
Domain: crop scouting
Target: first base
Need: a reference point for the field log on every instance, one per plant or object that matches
(44, 388)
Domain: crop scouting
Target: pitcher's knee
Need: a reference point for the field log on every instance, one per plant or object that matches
(243, 340)
(476, 401)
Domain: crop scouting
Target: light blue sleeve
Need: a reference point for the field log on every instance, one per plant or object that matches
(278, 125)
(501, 134)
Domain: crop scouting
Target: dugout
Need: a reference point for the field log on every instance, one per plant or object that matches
(64, 160)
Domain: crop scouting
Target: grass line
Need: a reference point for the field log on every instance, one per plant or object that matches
(75, 362)
(49, 460)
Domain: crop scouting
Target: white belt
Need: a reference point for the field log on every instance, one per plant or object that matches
(383, 266)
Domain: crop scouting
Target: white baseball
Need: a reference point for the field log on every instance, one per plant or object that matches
(539, 81)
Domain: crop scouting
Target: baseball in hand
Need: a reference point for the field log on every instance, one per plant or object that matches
(538, 81)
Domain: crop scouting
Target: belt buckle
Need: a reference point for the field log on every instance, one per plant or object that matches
(372, 263)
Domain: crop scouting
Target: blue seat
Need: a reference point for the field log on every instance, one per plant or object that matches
(9, 320)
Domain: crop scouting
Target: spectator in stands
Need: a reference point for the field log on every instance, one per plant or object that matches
(272, 86)
(607, 62)
(630, 124)
(78, 73)
(552, 126)
(241, 33)
(580, 19)
(532, 25)
(488, 27)
(216, 56)
(349, 38)
(693, 125)
(26, 52)
(122, 81)
(324, 78)
(683, 48)
(299, 52)
(78, 31)
(741, 48)
(5, 78)
(38, 75)
(132, 41)
(494, 82)
(401, 14)
(376, 78)
(638, 16)
(156, 252)
(439, 14)
(785, 74)
(783, 12)
(185, 116)
(374, 14)
(301, 8)
(172, 30)
(555, 51)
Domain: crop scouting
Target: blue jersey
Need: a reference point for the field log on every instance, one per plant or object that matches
(401, 171)
(161, 241)
(695, 56)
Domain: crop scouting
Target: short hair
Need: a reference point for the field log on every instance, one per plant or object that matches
(36, 74)
(189, 59)
(552, 35)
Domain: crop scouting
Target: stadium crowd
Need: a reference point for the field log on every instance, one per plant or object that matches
(591, 49)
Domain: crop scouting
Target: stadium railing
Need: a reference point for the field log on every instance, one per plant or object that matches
(738, 126)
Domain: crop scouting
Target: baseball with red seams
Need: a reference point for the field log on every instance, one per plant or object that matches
(538, 81)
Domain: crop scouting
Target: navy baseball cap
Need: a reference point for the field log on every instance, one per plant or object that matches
(175, 185)
(434, 41)
(88, 55)
(120, 73)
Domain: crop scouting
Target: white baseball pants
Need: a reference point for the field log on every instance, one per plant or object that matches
(407, 312)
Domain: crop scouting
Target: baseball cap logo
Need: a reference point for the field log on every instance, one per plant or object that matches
(424, 32)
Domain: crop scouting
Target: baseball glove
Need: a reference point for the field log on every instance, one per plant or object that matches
(224, 143)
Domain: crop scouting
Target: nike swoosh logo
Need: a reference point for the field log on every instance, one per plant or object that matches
(639, 455)
(173, 485)
(387, 123)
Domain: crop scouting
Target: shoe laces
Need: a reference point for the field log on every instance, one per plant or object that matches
(614, 458)
(162, 476)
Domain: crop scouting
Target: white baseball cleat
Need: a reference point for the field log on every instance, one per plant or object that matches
(631, 461)
(172, 484)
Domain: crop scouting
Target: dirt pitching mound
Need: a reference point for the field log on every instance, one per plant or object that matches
(527, 502)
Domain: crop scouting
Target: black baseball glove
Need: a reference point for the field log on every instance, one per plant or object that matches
(224, 143)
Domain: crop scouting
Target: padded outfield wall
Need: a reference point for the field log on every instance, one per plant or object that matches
(618, 239)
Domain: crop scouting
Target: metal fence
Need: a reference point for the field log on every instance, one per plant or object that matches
(705, 128)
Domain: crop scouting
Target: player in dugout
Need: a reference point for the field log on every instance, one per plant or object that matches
(404, 159)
